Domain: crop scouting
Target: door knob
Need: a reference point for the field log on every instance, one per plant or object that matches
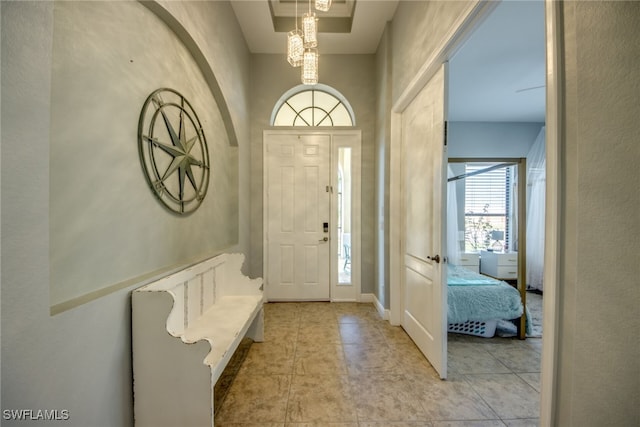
(435, 258)
(325, 239)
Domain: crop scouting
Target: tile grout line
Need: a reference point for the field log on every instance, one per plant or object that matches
(389, 342)
(293, 365)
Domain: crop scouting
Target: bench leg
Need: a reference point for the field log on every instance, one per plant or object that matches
(256, 330)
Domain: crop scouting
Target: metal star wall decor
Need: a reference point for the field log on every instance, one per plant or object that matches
(173, 151)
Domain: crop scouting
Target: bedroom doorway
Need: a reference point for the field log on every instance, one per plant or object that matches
(552, 40)
(497, 111)
(483, 17)
(487, 221)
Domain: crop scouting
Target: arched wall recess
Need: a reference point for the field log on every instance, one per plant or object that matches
(202, 62)
(94, 213)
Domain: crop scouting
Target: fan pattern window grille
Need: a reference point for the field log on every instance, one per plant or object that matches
(320, 106)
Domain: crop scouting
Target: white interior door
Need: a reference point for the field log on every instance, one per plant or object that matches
(297, 211)
(424, 297)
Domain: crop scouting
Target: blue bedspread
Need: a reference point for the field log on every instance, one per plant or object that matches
(475, 297)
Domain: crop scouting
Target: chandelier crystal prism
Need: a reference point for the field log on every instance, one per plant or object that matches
(295, 47)
(310, 29)
(310, 66)
(295, 43)
(323, 5)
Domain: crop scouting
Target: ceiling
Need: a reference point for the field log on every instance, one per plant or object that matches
(497, 75)
(368, 18)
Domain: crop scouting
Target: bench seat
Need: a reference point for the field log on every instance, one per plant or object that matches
(224, 325)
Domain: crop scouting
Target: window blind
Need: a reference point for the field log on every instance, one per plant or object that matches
(486, 193)
(487, 205)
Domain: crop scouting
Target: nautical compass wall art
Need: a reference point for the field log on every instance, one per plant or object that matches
(173, 151)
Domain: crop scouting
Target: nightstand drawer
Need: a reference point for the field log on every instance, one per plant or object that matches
(470, 261)
(508, 259)
(499, 264)
(509, 272)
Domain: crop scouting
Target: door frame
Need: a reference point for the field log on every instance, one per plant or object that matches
(336, 292)
(466, 23)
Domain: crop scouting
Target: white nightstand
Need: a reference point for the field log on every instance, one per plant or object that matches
(500, 265)
(470, 261)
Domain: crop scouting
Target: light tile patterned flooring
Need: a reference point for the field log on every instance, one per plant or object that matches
(341, 365)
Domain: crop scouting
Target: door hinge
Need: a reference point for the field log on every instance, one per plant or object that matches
(329, 189)
(446, 129)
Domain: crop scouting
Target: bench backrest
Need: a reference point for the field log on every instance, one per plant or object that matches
(197, 288)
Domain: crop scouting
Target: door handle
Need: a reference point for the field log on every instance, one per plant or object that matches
(324, 239)
(435, 258)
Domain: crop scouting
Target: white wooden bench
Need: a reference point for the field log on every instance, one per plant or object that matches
(185, 328)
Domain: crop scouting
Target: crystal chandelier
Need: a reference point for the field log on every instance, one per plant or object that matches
(295, 48)
(295, 44)
(301, 44)
(310, 66)
(310, 29)
(323, 5)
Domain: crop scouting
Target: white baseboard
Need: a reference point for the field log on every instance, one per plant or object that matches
(373, 299)
(367, 298)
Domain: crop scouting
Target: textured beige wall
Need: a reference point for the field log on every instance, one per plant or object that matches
(79, 360)
(354, 77)
(383, 139)
(418, 28)
(100, 202)
(598, 364)
(223, 45)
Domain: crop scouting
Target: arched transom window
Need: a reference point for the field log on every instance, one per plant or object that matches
(320, 105)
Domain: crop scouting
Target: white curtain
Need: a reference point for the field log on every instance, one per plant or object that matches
(453, 243)
(536, 182)
(513, 210)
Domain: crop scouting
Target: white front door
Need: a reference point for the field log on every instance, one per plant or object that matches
(297, 212)
(424, 297)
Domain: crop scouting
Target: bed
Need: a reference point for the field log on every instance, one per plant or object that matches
(477, 302)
